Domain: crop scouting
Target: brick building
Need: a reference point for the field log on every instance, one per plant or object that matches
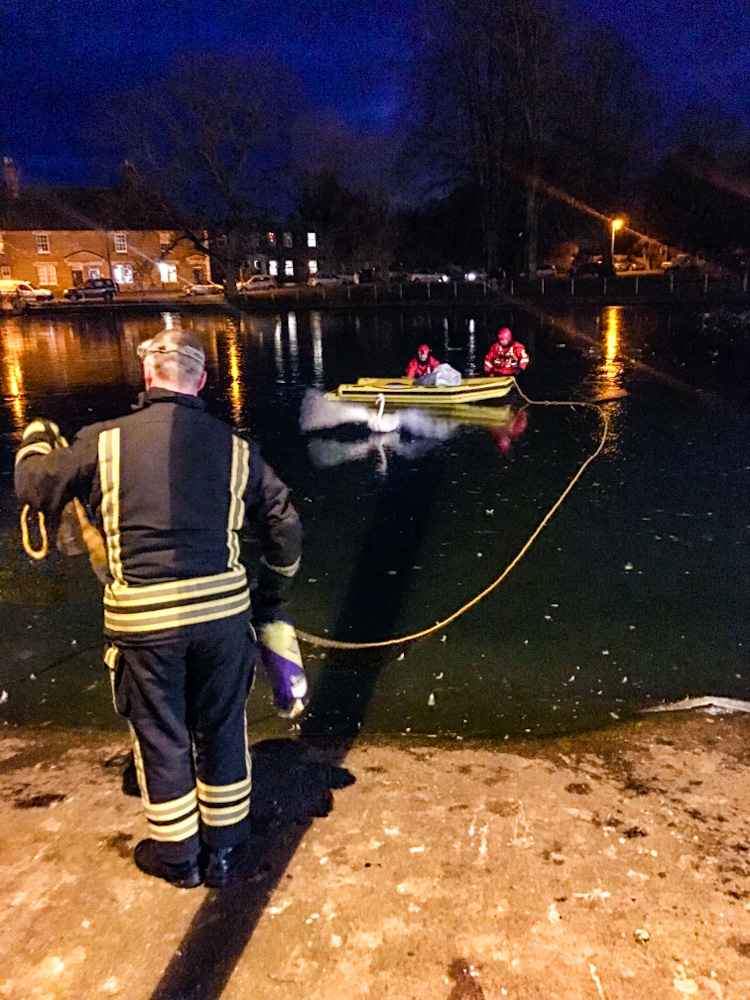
(58, 237)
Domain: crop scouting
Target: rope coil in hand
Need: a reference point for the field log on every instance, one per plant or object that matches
(317, 640)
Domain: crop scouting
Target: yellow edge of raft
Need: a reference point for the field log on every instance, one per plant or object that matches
(403, 391)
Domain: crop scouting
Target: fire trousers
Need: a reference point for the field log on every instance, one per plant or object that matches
(184, 699)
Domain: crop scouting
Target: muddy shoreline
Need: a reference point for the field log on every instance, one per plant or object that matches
(613, 864)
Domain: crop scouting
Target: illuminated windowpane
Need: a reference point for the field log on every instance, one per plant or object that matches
(42, 242)
(4, 272)
(272, 239)
(165, 240)
(168, 273)
(312, 266)
(94, 273)
(123, 274)
(273, 267)
(288, 241)
(289, 268)
(47, 274)
(2, 244)
(312, 240)
(121, 243)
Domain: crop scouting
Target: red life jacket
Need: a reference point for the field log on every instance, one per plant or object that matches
(507, 359)
(416, 369)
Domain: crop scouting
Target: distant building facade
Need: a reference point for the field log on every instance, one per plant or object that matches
(288, 253)
(58, 238)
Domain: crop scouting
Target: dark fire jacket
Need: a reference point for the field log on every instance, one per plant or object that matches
(170, 488)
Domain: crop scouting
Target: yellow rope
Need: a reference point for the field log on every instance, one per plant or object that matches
(41, 552)
(317, 640)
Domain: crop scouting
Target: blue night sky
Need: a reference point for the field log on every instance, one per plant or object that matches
(60, 58)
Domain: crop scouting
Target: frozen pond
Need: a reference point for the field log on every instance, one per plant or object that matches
(636, 592)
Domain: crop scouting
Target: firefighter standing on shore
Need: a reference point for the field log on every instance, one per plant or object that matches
(506, 356)
(170, 487)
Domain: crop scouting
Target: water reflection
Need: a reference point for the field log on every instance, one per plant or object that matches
(278, 350)
(234, 359)
(610, 371)
(316, 329)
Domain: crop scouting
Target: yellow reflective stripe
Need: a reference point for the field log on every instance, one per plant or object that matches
(150, 621)
(224, 817)
(122, 594)
(111, 654)
(282, 570)
(109, 475)
(174, 808)
(237, 485)
(175, 831)
(139, 768)
(37, 448)
(37, 427)
(224, 793)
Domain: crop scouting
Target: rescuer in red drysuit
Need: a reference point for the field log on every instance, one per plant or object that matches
(423, 364)
(507, 356)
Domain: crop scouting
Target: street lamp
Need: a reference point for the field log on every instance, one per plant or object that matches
(616, 224)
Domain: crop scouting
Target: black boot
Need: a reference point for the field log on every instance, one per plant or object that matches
(224, 865)
(182, 874)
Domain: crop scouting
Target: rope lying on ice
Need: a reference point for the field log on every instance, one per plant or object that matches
(317, 640)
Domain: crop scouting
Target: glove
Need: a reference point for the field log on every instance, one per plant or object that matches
(282, 661)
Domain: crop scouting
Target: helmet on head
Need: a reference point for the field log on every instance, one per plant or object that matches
(423, 349)
(504, 336)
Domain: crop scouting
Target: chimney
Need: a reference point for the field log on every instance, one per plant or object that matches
(10, 178)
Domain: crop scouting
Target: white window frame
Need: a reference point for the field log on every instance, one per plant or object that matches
(5, 272)
(120, 241)
(46, 274)
(167, 272)
(273, 268)
(288, 243)
(288, 268)
(312, 266)
(312, 239)
(93, 272)
(165, 241)
(117, 272)
(42, 242)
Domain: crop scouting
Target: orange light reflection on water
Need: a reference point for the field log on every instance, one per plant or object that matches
(610, 370)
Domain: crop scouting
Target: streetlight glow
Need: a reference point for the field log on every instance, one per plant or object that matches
(616, 224)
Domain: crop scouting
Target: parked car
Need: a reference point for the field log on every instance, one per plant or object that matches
(205, 288)
(621, 263)
(25, 290)
(95, 288)
(324, 278)
(589, 269)
(475, 275)
(257, 281)
(546, 271)
(424, 276)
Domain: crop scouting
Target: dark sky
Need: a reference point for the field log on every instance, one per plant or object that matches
(60, 58)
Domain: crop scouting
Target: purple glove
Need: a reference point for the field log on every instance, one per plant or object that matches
(282, 661)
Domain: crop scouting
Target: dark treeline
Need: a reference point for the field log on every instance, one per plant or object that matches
(526, 130)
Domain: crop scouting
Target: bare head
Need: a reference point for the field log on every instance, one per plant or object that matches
(175, 360)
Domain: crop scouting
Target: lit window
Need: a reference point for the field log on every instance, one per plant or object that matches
(165, 239)
(47, 274)
(121, 243)
(289, 268)
(4, 272)
(94, 273)
(123, 274)
(168, 273)
(312, 266)
(2, 244)
(312, 240)
(273, 267)
(271, 239)
(42, 242)
(288, 241)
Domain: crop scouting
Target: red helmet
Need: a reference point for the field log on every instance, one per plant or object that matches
(505, 336)
(423, 347)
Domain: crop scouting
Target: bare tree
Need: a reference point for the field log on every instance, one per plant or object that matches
(209, 140)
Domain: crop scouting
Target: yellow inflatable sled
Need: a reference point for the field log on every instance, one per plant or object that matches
(403, 391)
